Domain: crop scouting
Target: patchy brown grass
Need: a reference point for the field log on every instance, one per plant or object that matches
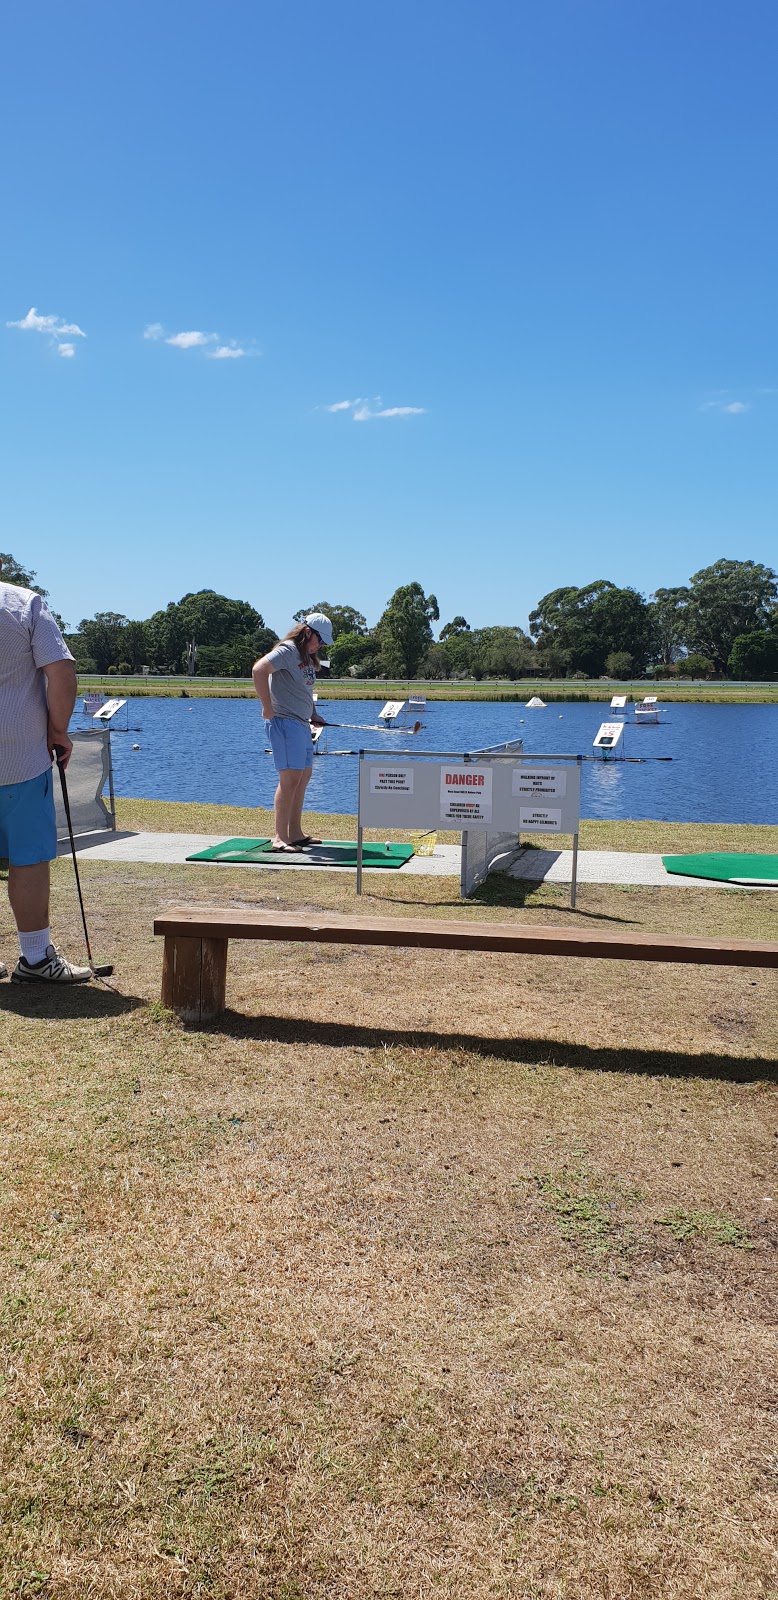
(422, 1273)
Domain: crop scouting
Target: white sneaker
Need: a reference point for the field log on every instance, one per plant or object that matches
(52, 969)
(3, 970)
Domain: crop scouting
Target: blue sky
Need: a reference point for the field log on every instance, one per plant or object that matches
(533, 246)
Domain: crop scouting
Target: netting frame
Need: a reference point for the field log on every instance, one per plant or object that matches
(483, 849)
(95, 813)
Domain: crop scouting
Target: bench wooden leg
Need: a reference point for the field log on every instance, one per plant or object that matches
(194, 977)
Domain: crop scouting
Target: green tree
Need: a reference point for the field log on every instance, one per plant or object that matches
(588, 623)
(619, 664)
(12, 571)
(135, 645)
(695, 665)
(344, 619)
(262, 640)
(500, 652)
(450, 631)
(754, 655)
(404, 631)
(620, 617)
(726, 600)
(165, 636)
(101, 638)
(667, 624)
(210, 618)
(452, 657)
(350, 651)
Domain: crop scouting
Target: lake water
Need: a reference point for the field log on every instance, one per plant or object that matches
(724, 766)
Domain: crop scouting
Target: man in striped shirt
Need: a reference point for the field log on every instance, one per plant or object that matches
(37, 695)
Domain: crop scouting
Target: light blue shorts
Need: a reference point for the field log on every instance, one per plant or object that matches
(28, 826)
(290, 742)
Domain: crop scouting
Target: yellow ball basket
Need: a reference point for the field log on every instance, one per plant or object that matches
(424, 843)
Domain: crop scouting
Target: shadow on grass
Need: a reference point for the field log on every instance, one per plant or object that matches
(507, 893)
(527, 1052)
(68, 1002)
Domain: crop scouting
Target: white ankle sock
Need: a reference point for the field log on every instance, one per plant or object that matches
(34, 945)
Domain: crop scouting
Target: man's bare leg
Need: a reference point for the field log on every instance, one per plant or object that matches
(28, 892)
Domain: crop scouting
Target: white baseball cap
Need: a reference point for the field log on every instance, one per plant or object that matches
(321, 625)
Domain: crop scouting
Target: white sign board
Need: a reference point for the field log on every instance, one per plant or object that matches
(108, 710)
(391, 780)
(608, 735)
(530, 783)
(466, 795)
(510, 796)
(540, 819)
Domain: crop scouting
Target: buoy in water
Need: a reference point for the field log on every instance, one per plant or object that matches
(136, 747)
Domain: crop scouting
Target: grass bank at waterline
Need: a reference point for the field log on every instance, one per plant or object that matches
(665, 838)
(568, 689)
(448, 1273)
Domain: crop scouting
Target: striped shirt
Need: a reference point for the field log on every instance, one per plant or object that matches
(29, 641)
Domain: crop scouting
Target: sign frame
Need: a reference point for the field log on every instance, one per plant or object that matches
(494, 797)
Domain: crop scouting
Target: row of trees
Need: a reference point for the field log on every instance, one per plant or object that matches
(723, 623)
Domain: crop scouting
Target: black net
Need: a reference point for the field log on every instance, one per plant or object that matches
(88, 779)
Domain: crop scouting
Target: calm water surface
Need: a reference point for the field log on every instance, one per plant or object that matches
(724, 766)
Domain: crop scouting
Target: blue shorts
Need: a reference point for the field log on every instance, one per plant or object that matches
(28, 826)
(290, 742)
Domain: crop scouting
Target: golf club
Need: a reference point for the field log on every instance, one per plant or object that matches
(372, 727)
(106, 969)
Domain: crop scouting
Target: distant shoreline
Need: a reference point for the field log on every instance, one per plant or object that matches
(556, 690)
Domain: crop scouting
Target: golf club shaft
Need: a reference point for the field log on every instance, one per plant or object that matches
(372, 727)
(59, 752)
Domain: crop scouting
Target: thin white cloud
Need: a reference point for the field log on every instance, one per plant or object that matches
(226, 352)
(733, 408)
(364, 414)
(368, 410)
(54, 327)
(154, 330)
(191, 340)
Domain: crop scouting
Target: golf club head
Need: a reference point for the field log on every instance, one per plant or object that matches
(103, 970)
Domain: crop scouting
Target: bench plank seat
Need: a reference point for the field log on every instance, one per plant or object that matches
(194, 970)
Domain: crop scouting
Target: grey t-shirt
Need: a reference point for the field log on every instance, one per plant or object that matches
(291, 682)
(29, 641)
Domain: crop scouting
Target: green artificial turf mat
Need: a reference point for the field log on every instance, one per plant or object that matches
(726, 866)
(233, 850)
(332, 852)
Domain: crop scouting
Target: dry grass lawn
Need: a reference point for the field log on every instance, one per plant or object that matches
(420, 1274)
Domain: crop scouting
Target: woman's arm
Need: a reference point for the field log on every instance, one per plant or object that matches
(261, 676)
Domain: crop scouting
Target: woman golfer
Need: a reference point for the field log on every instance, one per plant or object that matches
(284, 681)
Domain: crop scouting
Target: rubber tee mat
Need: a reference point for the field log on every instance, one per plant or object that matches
(727, 867)
(330, 853)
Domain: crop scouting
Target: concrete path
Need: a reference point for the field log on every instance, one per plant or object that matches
(550, 866)
(173, 848)
(600, 866)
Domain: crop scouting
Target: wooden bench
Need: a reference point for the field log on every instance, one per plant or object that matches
(194, 972)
